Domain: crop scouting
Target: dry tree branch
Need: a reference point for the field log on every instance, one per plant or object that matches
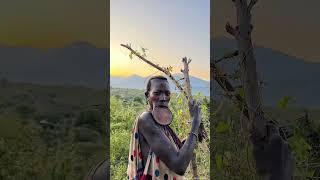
(251, 4)
(187, 88)
(185, 72)
(231, 30)
(227, 56)
(164, 70)
(262, 131)
(229, 89)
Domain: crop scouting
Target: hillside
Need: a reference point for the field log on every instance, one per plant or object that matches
(79, 63)
(284, 75)
(50, 132)
(138, 82)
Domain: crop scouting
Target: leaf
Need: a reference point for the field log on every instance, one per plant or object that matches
(300, 146)
(130, 55)
(144, 51)
(310, 173)
(227, 158)
(222, 127)
(219, 160)
(283, 103)
(241, 92)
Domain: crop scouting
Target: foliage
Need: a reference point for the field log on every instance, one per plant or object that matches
(231, 151)
(283, 103)
(38, 140)
(24, 110)
(90, 119)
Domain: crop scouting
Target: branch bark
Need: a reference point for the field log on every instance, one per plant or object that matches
(187, 88)
(157, 67)
(251, 4)
(272, 155)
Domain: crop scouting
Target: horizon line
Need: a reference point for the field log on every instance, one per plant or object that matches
(126, 76)
(262, 46)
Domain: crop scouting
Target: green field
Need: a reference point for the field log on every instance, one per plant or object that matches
(57, 132)
(50, 132)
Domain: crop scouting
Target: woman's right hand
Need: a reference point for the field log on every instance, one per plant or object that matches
(195, 112)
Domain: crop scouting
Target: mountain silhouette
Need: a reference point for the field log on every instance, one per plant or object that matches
(79, 63)
(283, 74)
(139, 82)
(83, 64)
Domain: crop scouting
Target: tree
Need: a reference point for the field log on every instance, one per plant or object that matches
(272, 155)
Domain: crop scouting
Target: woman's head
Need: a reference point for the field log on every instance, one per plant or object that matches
(158, 92)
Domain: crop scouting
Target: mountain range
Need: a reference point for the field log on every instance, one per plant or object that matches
(139, 82)
(79, 63)
(284, 75)
(83, 64)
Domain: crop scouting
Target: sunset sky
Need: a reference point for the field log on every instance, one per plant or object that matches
(53, 23)
(289, 26)
(169, 29)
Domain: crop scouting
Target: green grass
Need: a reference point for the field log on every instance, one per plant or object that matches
(30, 150)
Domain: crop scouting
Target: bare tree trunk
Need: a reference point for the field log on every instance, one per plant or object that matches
(271, 153)
(242, 34)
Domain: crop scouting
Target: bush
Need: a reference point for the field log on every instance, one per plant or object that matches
(25, 111)
(90, 119)
(81, 134)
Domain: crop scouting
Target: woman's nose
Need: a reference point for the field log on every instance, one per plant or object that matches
(163, 97)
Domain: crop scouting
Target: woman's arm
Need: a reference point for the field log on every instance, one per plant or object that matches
(176, 160)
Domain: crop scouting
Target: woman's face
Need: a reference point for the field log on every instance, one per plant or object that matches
(159, 94)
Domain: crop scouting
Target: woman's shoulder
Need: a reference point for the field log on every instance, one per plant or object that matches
(145, 115)
(145, 118)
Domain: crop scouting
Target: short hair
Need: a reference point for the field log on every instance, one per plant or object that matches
(149, 83)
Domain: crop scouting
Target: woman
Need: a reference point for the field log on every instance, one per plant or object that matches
(155, 150)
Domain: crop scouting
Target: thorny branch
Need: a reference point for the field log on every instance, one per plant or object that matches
(164, 70)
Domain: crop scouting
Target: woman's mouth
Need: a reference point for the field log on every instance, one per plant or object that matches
(162, 106)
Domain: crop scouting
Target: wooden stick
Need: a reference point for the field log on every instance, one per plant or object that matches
(187, 87)
(157, 67)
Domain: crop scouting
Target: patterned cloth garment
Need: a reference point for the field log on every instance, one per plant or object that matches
(154, 168)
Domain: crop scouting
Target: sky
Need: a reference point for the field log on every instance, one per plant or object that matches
(170, 30)
(289, 26)
(53, 23)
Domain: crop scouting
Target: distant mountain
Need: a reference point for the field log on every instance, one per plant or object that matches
(284, 74)
(138, 82)
(83, 64)
(79, 63)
